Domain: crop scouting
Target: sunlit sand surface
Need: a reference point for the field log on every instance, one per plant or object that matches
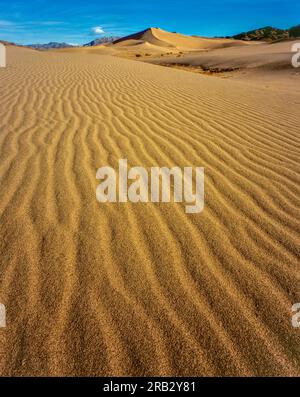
(145, 289)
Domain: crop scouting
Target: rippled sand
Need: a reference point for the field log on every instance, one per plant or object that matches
(145, 289)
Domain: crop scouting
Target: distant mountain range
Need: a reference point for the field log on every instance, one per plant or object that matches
(6, 42)
(102, 40)
(294, 31)
(269, 33)
(50, 45)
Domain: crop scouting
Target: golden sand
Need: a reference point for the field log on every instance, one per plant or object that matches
(145, 289)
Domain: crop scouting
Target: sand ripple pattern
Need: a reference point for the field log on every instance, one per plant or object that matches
(143, 289)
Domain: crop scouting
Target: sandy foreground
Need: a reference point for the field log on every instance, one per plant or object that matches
(145, 289)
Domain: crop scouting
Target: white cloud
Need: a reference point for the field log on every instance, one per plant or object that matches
(97, 30)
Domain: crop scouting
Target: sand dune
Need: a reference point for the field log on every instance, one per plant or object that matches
(162, 38)
(273, 56)
(155, 42)
(261, 64)
(145, 289)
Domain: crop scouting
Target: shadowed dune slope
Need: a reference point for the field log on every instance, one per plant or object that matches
(145, 289)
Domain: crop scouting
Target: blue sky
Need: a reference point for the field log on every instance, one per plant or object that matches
(78, 21)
